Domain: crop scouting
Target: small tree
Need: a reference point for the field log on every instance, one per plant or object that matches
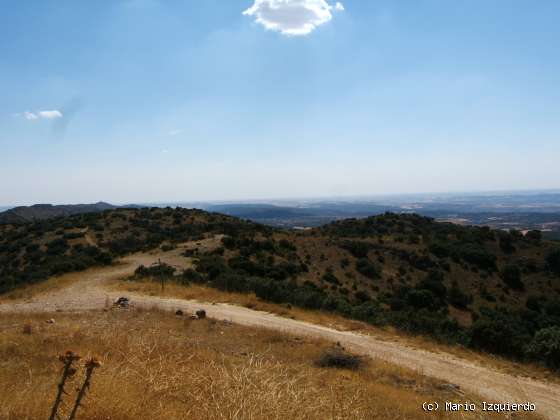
(553, 261)
(512, 277)
(546, 346)
(368, 269)
(457, 297)
(534, 236)
(506, 242)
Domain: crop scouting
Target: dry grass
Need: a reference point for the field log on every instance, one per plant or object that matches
(249, 300)
(159, 366)
(52, 284)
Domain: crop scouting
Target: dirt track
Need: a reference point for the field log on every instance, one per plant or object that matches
(89, 293)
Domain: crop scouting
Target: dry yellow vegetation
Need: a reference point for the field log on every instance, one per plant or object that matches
(203, 293)
(160, 366)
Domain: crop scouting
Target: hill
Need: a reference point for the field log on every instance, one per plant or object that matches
(26, 214)
(492, 290)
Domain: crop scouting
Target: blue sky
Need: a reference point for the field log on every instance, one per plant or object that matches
(183, 100)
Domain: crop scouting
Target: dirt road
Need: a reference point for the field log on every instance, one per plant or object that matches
(89, 293)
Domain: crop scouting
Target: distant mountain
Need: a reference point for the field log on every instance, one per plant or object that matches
(26, 214)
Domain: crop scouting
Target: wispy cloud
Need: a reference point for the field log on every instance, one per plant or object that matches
(174, 132)
(292, 17)
(30, 116)
(49, 115)
(45, 115)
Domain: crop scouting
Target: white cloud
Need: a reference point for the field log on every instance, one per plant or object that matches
(174, 132)
(292, 17)
(30, 116)
(47, 115)
(339, 7)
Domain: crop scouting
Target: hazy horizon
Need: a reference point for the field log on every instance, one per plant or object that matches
(348, 198)
(131, 101)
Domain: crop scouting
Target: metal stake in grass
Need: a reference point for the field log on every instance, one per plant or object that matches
(68, 359)
(91, 365)
(162, 277)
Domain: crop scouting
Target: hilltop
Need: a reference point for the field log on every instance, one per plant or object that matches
(492, 290)
(26, 214)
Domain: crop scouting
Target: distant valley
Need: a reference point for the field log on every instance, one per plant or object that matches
(521, 211)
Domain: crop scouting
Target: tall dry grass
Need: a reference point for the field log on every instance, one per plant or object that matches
(204, 293)
(158, 366)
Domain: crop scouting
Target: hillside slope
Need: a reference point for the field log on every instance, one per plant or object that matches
(26, 214)
(493, 290)
(91, 292)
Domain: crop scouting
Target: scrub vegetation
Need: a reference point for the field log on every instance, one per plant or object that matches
(496, 291)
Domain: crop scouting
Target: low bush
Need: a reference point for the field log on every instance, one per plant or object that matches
(511, 274)
(546, 346)
(329, 277)
(458, 298)
(553, 261)
(156, 271)
(500, 332)
(357, 248)
(339, 358)
(368, 269)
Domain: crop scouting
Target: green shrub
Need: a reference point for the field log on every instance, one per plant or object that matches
(287, 245)
(534, 236)
(367, 311)
(192, 276)
(212, 266)
(362, 296)
(434, 283)
(156, 271)
(553, 261)
(231, 282)
(421, 299)
(458, 298)
(499, 332)
(511, 274)
(535, 303)
(545, 346)
(57, 247)
(368, 269)
(329, 277)
(357, 248)
(340, 359)
(506, 241)
(477, 255)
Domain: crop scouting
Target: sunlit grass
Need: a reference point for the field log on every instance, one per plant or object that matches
(159, 366)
